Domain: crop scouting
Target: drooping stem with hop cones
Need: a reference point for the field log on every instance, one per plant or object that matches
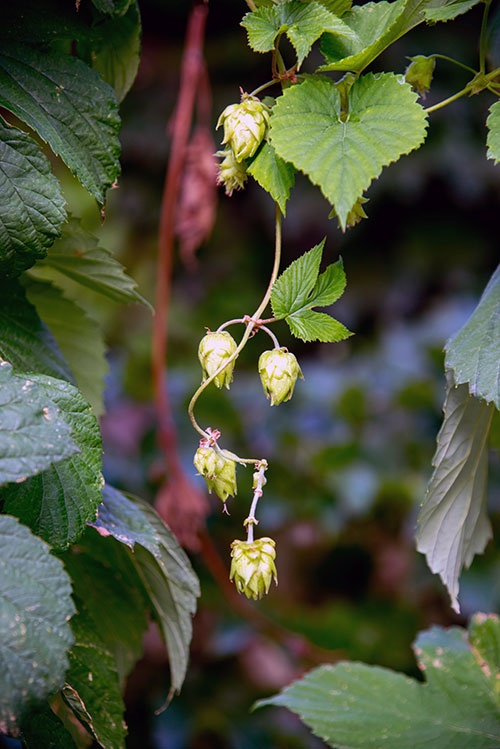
(292, 296)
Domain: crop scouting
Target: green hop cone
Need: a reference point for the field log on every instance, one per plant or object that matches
(278, 371)
(252, 566)
(213, 351)
(419, 73)
(245, 126)
(232, 173)
(218, 471)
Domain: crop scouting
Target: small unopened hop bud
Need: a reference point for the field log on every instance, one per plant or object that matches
(252, 566)
(245, 126)
(419, 73)
(278, 371)
(232, 174)
(218, 471)
(213, 351)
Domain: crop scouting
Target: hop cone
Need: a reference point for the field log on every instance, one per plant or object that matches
(218, 471)
(245, 126)
(213, 351)
(278, 371)
(252, 566)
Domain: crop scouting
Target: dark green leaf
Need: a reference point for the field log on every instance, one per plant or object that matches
(273, 174)
(31, 206)
(78, 336)
(59, 502)
(114, 49)
(162, 566)
(104, 579)
(24, 340)
(78, 256)
(452, 524)
(303, 23)
(343, 152)
(474, 352)
(354, 706)
(69, 106)
(493, 140)
(41, 728)
(33, 432)
(92, 690)
(23, 22)
(35, 607)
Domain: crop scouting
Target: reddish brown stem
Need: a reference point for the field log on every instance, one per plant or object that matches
(192, 68)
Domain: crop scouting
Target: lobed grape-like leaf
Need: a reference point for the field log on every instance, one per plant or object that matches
(342, 152)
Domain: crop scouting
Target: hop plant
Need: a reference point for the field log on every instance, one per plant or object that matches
(245, 126)
(218, 470)
(215, 349)
(232, 173)
(252, 566)
(279, 370)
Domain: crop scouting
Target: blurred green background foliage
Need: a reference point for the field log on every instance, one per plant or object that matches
(351, 454)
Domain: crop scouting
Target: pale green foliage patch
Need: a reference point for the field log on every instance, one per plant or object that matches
(354, 706)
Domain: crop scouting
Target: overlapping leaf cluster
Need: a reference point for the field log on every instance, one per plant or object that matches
(71, 621)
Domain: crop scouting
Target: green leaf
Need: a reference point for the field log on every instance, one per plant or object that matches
(316, 326)
(273, 174)
(449, 11)
(25, 341)
(32, 205)
(114, 49)
(474, 352)
(452, 524)
(41, 727)
(354, 706)
(69, 106)
(493, 139)
(35, 607)
(300, 287)
(33, 432)
(303, 24)
(163, 567)
(342, 153)
(377, 25)
(78, 336)
(59, 502)
(92, 690)
(78, 256)
(105, 581)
